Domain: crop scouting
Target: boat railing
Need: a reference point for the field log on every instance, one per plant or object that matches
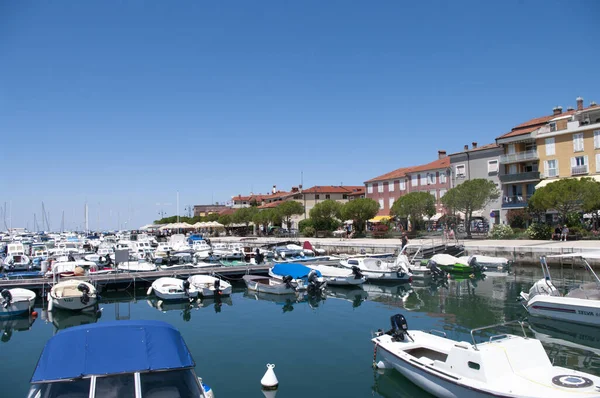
(434, 331)
(521, 323)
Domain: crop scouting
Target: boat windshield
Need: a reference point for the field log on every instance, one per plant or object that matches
(169, 384)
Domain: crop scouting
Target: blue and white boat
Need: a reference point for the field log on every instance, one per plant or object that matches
(306, 278)
(16, 301)
(117, 359)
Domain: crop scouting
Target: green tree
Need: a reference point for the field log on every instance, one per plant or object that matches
(360, 211)
(470, 196)
(226, 220)
(566, 196)
(244, 215)
(288, 209)
(325, 215)
(263, 217)
(414, 206)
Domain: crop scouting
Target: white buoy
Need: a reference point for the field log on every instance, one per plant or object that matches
(381, 365)
(269, 380)
(269, 393)
(149, 291)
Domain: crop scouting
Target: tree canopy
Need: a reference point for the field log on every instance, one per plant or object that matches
(263, 217)
(360, 211)
(414, 206)
(566, 196)
(470, 196)
(325, 215)
(288, 209)
(244, 215)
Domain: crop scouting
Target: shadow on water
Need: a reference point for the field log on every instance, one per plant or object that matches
(391, 384)
(14, 324)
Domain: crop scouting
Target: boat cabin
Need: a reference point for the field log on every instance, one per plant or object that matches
(15, 249)
(147, 359)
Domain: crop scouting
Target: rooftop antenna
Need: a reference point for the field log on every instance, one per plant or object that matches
(62, 222)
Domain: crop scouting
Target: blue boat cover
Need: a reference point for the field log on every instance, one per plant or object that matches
(295, 270)
(110, 348)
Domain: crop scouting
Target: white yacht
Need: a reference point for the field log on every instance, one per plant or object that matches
(380, 269)
(15, 259)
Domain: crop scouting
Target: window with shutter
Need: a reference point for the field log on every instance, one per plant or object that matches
(381, 204)
(597, 139)
(578, 142)
(424, 179)
(415, 180)
(550, 150)
(380, 187)
(597, 162)
(391, 186)
(391, 202)
(402, 185)
(369, 188)
(492, 166)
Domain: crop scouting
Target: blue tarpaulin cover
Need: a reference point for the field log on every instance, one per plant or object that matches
(295, 270)
(111, 348)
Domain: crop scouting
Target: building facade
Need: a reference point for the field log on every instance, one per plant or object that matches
(569, 145)
(342, 194)
(432, 177)
(479, 162)
(204, 210)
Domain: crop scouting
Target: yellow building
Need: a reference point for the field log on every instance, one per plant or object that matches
(569, 145)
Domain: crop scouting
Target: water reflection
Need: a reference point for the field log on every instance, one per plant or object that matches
(287, 301)
(187, 306)
(62, 319)
(354, 294)
(391, 384)
(18, 324)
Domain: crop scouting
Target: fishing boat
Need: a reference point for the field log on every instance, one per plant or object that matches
(505, 366)
(449, 263)
(580, 305)
(173, 289)
(380, 269)
(73, 295)
(209, 286)
(117, 359)
(339, 276)
(15, 259)
(306, 278)
(16, 301)
(270, 285)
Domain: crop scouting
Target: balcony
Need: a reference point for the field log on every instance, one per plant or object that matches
(514, 202)
(527, 176)
(519, 157)
(579, 170)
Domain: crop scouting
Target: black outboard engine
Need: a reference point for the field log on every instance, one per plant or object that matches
(288, 282)
(85, 290)
(7, 296)
(399, 327)
(356, 272)
(186, 287)
(218, 286)
(70, 257)
(109, 261)
(314, 285)
(436, 272)
(475, 265)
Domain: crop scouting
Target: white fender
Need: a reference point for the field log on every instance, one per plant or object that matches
(149, 291)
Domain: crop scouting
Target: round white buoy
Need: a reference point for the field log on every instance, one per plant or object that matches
(269, 380)
(269, 393)
(381, 365)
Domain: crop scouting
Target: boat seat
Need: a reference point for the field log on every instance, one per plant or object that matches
(163, 392)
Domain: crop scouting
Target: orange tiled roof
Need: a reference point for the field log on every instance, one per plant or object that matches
(479, 148)
(261, 197)
(228, 211)
(404, 171)
(401, 172)
(333, 189)
(270, 205)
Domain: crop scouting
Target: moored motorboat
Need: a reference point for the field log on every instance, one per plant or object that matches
(136, 266)
(339, 276)
(505, 366)
(16, 301)
(173, 289)
(117, 359)
(487, 261)
(379, 269)
(209, 286)
(305, 278)
(270, 285)
(449, 263)
(581, 305)
(73, 295)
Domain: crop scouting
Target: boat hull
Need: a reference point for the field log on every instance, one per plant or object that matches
(206, 285)
(568, 309)
(66, 295)
(22, 303)
(172, 289)
(272, 287)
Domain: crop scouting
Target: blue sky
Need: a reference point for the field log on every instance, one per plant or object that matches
(122, 104)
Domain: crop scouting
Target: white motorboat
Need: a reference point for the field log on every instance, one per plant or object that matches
(201, 249)
(180, 261)
(581, 305)
(270, 285)
(73, 295)
(339, 276)
(380, 269)
(16, 259)
(163, 250)
(136, 266)
(487, 261)
(173, 289)
(305, 278)
(505, 366)
(16, 301)
(209, 286)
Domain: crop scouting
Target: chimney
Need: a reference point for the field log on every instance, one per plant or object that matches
(474, 144)
(300, 187)
(466, 147)
(570, 108)
(441, 154)
(557, 110)
(294, 189)
(592, 104)
(274, 188)
(579, 103)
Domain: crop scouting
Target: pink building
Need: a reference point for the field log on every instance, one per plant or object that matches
(433, 177)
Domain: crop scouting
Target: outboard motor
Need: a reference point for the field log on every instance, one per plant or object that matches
(85, 290)
(475, 265)
(288, 282)
(436, 272)
(399, 327)
(186, 287)
(70, 257)
(218, 286)
(7, 296)
(356, 272)
(109, 261)
(314, 285)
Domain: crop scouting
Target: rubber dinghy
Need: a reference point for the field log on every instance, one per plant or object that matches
(505, 366)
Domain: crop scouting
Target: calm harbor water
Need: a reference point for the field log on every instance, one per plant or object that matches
(320, 348)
